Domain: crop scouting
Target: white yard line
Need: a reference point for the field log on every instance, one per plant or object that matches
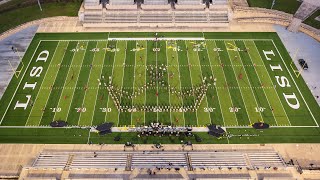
(254, 97)
(85, 92)
(125, 56)
(145, 76)
(191, 79)
(14, 94)
(184, 120)
(201, 80)
(94, 108)
(41, 85)
(76, 80)
(295, 84)
(168, 81)
(225, 78)
(157, 82)
(272, 83)
(238, 84)
(262, 88)
(114, 60)
(217, 89)
(134, 77)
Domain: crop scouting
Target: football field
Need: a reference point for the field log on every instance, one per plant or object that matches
(191, 80)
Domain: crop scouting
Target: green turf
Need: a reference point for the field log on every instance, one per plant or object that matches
(11, 19)
(288, 6)
(73, 84)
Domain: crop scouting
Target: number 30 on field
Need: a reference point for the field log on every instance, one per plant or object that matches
(105, 109)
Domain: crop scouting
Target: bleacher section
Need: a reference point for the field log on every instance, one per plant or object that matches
(121, 2)
(189, 2)
(153, 13)
(155, 2)
(159, 159)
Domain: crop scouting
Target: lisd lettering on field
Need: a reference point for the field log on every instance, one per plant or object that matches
(282, 81)
(35, 72)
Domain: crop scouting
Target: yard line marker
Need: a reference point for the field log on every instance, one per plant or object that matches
(225, 78)
(87, 84)
(295, 83)
(249, 82)
(272, 83)
(191, 80)
(202, 79)
(238, 84)
(76, 82)
(125, 56)
(216, 90)
(168, 80)
(114, 59)
(260, 83)
(14, 94)
(134, 77)
(94, 108)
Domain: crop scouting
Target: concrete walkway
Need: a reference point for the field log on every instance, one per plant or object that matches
(19, 40)
(308, 49)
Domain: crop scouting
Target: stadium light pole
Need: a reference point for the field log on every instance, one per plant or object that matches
(39, 5)
(273, 2)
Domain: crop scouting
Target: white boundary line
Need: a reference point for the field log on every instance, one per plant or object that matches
(185, 43)
(261, 83)
(94, 107)
(295, 83)
(285, 112)
(35, 100)
(234, 73)
(114, 60)
(84, 97)
(124, 62)
(157, 82)
(14, 94)
(245, 71)
(76, 82)
(145, 82)
(152, 39)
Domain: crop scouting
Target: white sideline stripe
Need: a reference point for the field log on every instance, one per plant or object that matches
(295, 83)
(14, 94)
(146, 38)
(285, 112)
(118, 129)
(44, 78)
(160, 39)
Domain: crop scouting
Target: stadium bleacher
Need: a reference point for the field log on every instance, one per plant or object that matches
(159, 159)
(153, 13)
